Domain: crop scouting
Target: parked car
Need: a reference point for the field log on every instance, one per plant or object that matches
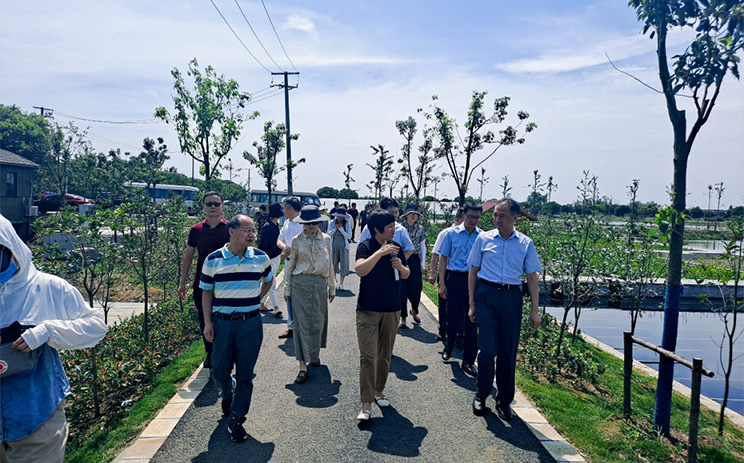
(48, 201)
(51, 201)
(75, 200)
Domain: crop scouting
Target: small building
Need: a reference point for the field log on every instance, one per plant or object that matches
(16, 191)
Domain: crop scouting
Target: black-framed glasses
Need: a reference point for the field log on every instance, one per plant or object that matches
(210, 204)
(473, 217)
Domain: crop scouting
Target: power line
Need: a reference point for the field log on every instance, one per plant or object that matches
(277, 36)
(237, 37)
(256, 36)
(102, 139)
(141, 121)
(266, 97)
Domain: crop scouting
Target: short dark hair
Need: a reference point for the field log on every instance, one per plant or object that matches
(386, 203)
(514, 206)
(378, 220)
(460, 213)
(353, 204)
(234, 223)
(211, 193)
(470, 206)
(293, 202)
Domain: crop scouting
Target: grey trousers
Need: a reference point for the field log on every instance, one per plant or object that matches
(45, 445)
(236, 343)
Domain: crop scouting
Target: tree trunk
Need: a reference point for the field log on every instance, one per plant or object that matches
(662, 411)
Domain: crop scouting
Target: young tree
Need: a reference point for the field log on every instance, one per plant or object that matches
(719, 192)
(483, 180)
(477, 137)
(383, 168)
(536, 185)
(208, 121)
(734, 256)
(699, 70)
(505, 188)
(153, 157)
(551, 187)
(267, 151)
(417, 174)
(347, 176)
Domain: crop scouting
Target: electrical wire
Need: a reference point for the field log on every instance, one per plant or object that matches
(102, 139)
(141, 121)
(277, 35)
(267, 96)
(256, 36)
(237, 37)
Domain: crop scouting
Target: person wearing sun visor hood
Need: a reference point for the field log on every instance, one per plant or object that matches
(39, 314)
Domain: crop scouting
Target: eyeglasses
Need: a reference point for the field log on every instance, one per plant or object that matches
(473, 217)
(250, 231)
(312, 224)
(213, 204)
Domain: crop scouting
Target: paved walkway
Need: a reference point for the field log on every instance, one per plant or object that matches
(430, 419)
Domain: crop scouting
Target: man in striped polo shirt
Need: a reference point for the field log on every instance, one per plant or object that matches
(234, 280)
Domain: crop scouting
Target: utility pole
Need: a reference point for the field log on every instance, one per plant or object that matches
(45, 112)
(286, 113)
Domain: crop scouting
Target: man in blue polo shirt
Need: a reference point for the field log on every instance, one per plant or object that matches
(401, 235)
(234, 280)
(453, 286)
(497, 262)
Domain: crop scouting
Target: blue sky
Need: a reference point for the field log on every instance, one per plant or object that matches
(366, 64)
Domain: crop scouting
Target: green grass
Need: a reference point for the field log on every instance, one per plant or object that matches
(591, 418)
(104, 444)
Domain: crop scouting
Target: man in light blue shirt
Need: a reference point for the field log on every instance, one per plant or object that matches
(401, 235)
(497, 262)
(453, 286)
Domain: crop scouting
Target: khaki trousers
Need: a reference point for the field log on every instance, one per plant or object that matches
(45, 445)
(376, 333)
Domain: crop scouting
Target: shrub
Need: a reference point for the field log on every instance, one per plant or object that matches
(126, 366)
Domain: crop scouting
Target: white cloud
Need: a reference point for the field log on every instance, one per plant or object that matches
(300, 23)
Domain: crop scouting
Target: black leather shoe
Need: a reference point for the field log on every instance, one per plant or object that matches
(446, 354)
(469, 369)
(479, 406)
(301, 377)
(505, 414)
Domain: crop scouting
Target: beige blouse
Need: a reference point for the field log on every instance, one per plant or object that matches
(310, 256)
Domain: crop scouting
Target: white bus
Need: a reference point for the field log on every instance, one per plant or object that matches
(163, 192)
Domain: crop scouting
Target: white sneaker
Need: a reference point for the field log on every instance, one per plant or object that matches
(364, 415)
(340, 287)
(382, 402)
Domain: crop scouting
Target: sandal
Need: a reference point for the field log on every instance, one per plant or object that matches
(364, 415)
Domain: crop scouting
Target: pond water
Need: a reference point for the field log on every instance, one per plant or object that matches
(705, 245)
(698, 334)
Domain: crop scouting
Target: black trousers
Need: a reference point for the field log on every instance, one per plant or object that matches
(411, 287)
(499, 316)
(457, 316)
(198, 304)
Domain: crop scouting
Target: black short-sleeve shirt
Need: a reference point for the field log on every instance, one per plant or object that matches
(206, 240)
(378, 291)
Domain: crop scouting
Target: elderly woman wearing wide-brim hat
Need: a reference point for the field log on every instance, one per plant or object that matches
(411, 288)
(310, 284)
(340, 233)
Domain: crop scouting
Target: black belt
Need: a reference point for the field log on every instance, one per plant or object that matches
(501, 286)
(235, 317)
(457, 272)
